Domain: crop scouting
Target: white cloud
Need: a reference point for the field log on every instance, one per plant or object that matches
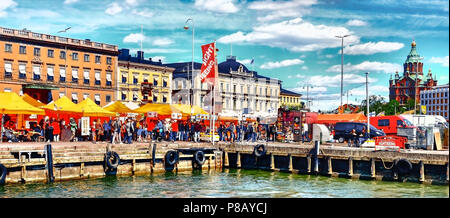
(299, 76)
(356, 22)
(132, 2)
(440, 60)
(269, 5)
(67, 2)
(157, 58)
(304, 68)
(284, 63)
(134, 38)
(144, 13)
(221, 6)
(367, 66)
(329, 56)
(286, 35)
(335, 81)
(311, 90)
(159, 50)
(162, 42)
(113, 9)
(245, 62)
(5, 4)
(373, 90)
(372, 48)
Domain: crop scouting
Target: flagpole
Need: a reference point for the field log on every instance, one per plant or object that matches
(213, 97)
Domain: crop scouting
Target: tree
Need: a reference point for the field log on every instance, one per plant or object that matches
(392, 108)
(376, 104)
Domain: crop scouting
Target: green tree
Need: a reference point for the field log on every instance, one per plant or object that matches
(376, 104)
(392, 108)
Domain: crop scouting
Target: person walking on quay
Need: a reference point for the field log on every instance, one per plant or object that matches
(180, 133)
(220, 132)
(186, 131)
(174, 131)
(73, 128)
(135, 126)
(98, 130)
(106, 130)
(129, 131)
(197, 129)
(238, 131)
(56, 130)
(116, 128)
(255, 132)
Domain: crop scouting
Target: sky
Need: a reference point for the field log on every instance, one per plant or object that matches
(291, 40)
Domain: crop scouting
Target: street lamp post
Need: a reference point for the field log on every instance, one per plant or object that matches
(308, 85)
(65, 57)
(186, 27)
(367, 103)
(415, 85)
(342, 64)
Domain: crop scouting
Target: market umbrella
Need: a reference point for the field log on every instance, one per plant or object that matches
(188, 110)
(11, 103)
(118, 107)
(161, 109)
(32, 101)
(62, 105)
(89, 108)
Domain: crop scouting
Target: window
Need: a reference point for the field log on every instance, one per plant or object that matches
(124, 78)
(22, 49)
(97, 60)
(86, 77)
(383, 122)
(75, 97)
(155, 81)
(85, 95)
(124, 95)
(8, 48)
(108, 98)
(135, 79)
(228, 87)
(86, 58)
(164, 99)
(135, 96)
(108, 79)
(97, 78)
(97, 99)
(164, 82)
(37, 52)
(8, 70)
(75, 75)
(36, 73)
(62, 74)
(50, 74)
(61, 94)
(22, 71)
(75, 56)
(7, 90)
(108, 60)
(221, 87)
(50, 53)
(234, 88)
(155, 98)
(62, 55)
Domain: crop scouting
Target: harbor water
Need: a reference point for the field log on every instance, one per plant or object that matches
(229, 183)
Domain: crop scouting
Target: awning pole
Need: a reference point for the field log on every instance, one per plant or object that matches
(1, 130)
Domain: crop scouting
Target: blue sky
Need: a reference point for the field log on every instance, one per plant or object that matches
(289, 40)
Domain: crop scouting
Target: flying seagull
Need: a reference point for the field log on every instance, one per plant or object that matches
(64, 30)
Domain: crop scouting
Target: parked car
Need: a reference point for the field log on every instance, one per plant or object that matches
(342, 130)
(427, 120)
(390, 124)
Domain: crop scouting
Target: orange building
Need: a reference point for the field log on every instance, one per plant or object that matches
(47, 67)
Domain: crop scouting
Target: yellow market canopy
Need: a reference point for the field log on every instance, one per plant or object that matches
(62, 105)
(161, 109)
(91, 109)
(118, 107)
(188, 110)
(11, 103)
(32, 101)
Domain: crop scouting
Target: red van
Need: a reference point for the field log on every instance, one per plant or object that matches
(389, 124)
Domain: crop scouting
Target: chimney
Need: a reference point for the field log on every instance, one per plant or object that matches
(150, 59)
(140, 55)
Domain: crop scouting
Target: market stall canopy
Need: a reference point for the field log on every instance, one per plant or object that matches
(188, 110)
(63, 104)
(332, 119)
(91, 109)
(161, 109)
(118, 107)
(11, 103)
(131, 105)
(32, 101)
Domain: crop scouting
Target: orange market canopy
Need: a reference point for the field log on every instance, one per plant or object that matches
(160, 109)
(332, 119)
(89, 108)
(32, 101)
(118, 107)
(62, 105)
(11, 103)
(188, 110)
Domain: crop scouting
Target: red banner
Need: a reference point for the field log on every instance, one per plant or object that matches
(208, 69)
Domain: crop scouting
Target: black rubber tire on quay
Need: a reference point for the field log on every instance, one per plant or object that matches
(3, 172)
(403, 166)
(260, 150)
(112, 159)
(199, 157)
(171, 158)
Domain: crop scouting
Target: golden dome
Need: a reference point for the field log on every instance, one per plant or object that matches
(413, 44)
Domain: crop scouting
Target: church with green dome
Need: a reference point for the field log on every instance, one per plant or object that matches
(402, 88)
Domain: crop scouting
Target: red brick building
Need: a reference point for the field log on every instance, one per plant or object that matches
(402, 88)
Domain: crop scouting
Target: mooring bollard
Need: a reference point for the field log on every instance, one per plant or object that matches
(330, 167)
(291, 168)
(49, 165)
(226, 164)
(316, 161)
(350, 166)
(308, 160)
(422, 171)
(272, 161)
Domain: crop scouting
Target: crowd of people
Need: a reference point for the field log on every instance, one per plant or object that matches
(128, 130)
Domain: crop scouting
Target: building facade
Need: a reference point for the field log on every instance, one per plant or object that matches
(241, 91)
(403, 88)
(133, 71)
(436, 101)
(47, 67)
(289, 99)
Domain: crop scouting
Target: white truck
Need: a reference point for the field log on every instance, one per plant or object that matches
(426, 120)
